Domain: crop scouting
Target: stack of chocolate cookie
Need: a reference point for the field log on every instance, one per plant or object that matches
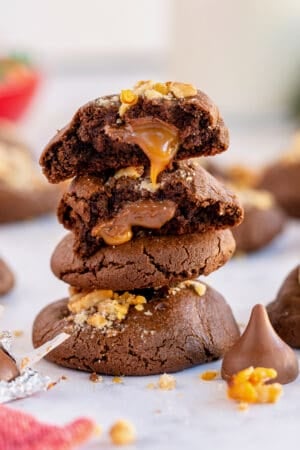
(146, 220)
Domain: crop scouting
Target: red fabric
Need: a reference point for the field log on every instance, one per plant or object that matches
(21, 431)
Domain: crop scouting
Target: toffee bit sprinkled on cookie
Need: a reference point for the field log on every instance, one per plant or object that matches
(198, 287)
(209, 375)
(249, 386)
(95, 378)
(101, 308)
(167, 382)
(122, 433)
(155, 90)
(130, 172)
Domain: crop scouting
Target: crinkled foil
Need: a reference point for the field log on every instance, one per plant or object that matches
(29, 381)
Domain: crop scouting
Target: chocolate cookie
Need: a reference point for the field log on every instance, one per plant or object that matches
(23, 192)
(129, 129)
(7, 279)
(283, 180)
(145, 262)
(116, 208)
(284, 311)
(173, 331)
(263, 221)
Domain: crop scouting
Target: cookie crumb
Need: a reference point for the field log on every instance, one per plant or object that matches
(243, 406)
(117, 380)
(167, 382)
(122, 433)
(209, 375)
(95, 378)
(151, 386)
(24, 363)
(18, 333)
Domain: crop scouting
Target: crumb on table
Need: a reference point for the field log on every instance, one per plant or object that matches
(122, 432)
(167, 382)
(209, 375)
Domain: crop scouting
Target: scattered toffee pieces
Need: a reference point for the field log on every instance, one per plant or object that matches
(251, 385)
(122, 432)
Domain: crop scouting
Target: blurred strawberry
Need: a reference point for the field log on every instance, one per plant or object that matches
(21, 431)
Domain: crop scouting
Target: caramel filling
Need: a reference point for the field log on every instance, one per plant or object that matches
(143, 213)
(158, 140)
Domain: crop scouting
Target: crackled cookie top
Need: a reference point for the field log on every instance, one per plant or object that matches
(152, 125)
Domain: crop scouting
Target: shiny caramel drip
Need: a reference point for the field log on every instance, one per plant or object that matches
(143, 213)
(158, 140)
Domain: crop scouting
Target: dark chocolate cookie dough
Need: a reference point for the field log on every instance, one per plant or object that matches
(97, 139)
(284, 311)
(145, 262)
(200, 203)
(7, 279)
(172, 332)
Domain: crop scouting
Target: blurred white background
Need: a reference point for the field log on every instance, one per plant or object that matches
(244, 54)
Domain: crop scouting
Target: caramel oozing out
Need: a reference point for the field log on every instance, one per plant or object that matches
(158, 140)
(144, 213)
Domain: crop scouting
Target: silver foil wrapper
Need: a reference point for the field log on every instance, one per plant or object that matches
(29, 381)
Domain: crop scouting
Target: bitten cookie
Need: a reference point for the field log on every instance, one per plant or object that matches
(163, 332)
(7, 279)
(145, 262)
(23, 193)
(284, 311)
(151, 125)
(262, 223)
(115, 209)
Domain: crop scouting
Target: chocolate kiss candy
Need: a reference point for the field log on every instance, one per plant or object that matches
(260, 346)
(8, 368)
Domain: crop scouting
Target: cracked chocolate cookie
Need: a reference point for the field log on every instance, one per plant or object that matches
(145, 333)
(151, 125)
(284, 311)
(145, 262)
(262, 223)
(116, 208)
(7, 279)
(23, 192)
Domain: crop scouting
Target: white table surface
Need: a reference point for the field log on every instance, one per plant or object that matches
(194, 415)
(197, 414)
